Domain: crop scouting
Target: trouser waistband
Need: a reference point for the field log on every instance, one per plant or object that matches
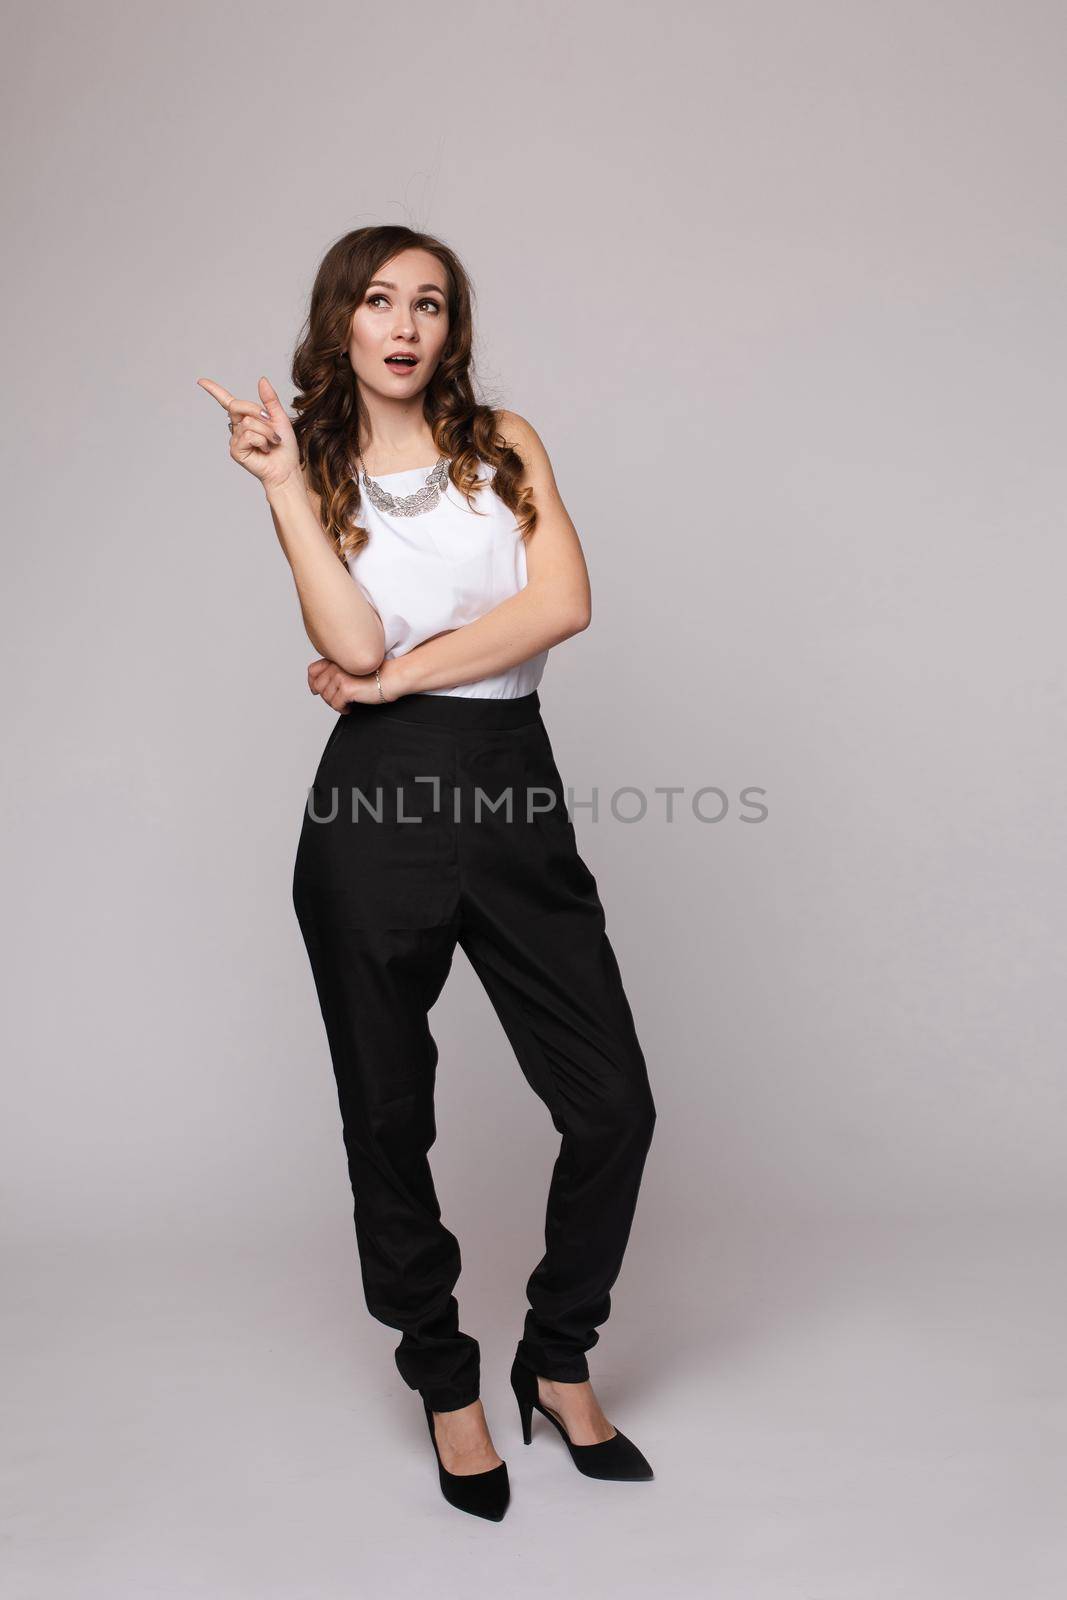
(454, 711)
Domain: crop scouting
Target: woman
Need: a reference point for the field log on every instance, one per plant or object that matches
(436, 818)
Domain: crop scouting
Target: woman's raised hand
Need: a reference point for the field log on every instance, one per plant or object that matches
(261, 436)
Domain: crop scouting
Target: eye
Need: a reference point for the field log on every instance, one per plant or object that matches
(434, 305)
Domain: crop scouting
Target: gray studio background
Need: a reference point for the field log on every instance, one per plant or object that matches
(781, 288)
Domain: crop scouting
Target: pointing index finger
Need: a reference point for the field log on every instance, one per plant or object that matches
(223, 396)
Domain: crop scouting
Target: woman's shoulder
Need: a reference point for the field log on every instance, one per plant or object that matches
(522, 436)
(514, 430)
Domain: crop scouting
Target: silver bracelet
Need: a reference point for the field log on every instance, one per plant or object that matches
(381, 696)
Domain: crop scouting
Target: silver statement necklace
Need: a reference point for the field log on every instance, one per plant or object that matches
(407, 505)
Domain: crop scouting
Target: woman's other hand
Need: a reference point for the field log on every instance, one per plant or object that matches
(261, 436)
(338, 688)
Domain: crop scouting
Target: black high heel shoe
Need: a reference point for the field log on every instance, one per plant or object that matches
(484, 1494)
(618, 1458)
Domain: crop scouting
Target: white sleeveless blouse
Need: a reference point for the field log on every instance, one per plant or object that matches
(439, 570)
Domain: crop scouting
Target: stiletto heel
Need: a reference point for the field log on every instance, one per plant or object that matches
(525, 1415)
(483, 1494)
(617, 1459)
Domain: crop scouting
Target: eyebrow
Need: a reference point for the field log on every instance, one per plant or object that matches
(421, 289)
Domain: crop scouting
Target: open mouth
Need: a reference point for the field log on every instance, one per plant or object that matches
(404, 362)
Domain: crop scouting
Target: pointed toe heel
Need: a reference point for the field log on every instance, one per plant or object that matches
(617, 1459)
(483, 1494)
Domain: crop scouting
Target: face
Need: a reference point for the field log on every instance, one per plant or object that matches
(404, 312)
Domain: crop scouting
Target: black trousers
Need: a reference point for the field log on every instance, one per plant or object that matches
(433, 821)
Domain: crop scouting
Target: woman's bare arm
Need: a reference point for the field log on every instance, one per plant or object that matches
(339, 620)
(554, 605)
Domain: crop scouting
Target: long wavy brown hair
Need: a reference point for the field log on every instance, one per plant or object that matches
(329, 414)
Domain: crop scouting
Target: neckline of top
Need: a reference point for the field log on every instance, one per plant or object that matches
(405, 472)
